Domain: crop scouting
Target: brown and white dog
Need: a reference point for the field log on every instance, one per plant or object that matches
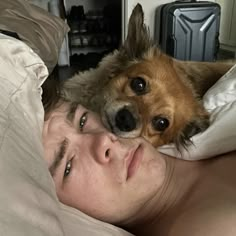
(140, 91)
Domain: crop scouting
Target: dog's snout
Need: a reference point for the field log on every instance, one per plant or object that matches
(125, 121)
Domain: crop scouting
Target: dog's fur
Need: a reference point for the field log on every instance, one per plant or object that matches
(140, 91)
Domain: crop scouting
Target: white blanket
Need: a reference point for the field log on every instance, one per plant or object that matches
(28, 203)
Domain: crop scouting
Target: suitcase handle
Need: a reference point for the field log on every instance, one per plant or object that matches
(186, 1)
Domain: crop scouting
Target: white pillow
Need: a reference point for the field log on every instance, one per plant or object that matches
(28, 201)
(220, 137)
(40, 30)
(79, 224)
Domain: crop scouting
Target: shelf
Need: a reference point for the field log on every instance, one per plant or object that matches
(90, 49)
(95, 30)
(94, 40)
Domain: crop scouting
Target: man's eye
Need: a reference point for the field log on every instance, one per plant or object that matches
(68, 168)
(83, 120)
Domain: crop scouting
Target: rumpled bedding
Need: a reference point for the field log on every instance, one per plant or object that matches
(28, 202)
(40, 30)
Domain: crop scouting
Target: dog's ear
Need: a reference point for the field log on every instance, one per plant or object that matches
(192, 128)
(138, 38)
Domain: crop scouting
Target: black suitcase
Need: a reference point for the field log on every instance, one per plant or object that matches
(189, 30)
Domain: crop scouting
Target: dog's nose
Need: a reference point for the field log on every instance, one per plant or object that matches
(125, 121)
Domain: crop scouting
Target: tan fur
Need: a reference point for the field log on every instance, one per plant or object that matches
(173, 91)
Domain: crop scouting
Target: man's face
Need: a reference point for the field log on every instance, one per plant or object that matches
(104, 176)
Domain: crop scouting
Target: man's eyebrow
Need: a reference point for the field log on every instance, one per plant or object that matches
(58, 157)
(71, 112)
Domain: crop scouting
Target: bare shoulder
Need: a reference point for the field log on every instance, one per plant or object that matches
(214, 222)
(212, 211)
(225, 165)
(229, 154)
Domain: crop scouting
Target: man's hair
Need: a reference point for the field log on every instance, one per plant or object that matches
(51, 91)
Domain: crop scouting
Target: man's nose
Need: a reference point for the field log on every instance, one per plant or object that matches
(102, 146)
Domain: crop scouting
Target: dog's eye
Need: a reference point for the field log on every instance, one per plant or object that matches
(160, 123)
(138, 85)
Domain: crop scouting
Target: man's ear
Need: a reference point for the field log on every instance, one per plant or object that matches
(138, 38)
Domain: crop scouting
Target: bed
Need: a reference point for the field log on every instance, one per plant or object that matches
(28, 202)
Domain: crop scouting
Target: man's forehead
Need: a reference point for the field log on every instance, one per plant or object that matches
(56, 129)
(52, 145)
(59, 117)
(63, 109)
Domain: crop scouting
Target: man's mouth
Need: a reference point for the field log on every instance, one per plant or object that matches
(134, 161)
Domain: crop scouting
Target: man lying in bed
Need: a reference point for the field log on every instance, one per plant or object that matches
(128, 183)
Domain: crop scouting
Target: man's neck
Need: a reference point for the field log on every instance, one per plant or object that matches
(181, 177)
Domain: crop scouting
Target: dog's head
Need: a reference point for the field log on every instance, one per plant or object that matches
(149, 93)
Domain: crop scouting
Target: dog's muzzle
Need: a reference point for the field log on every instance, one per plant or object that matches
(125, 121)
(122, 118)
